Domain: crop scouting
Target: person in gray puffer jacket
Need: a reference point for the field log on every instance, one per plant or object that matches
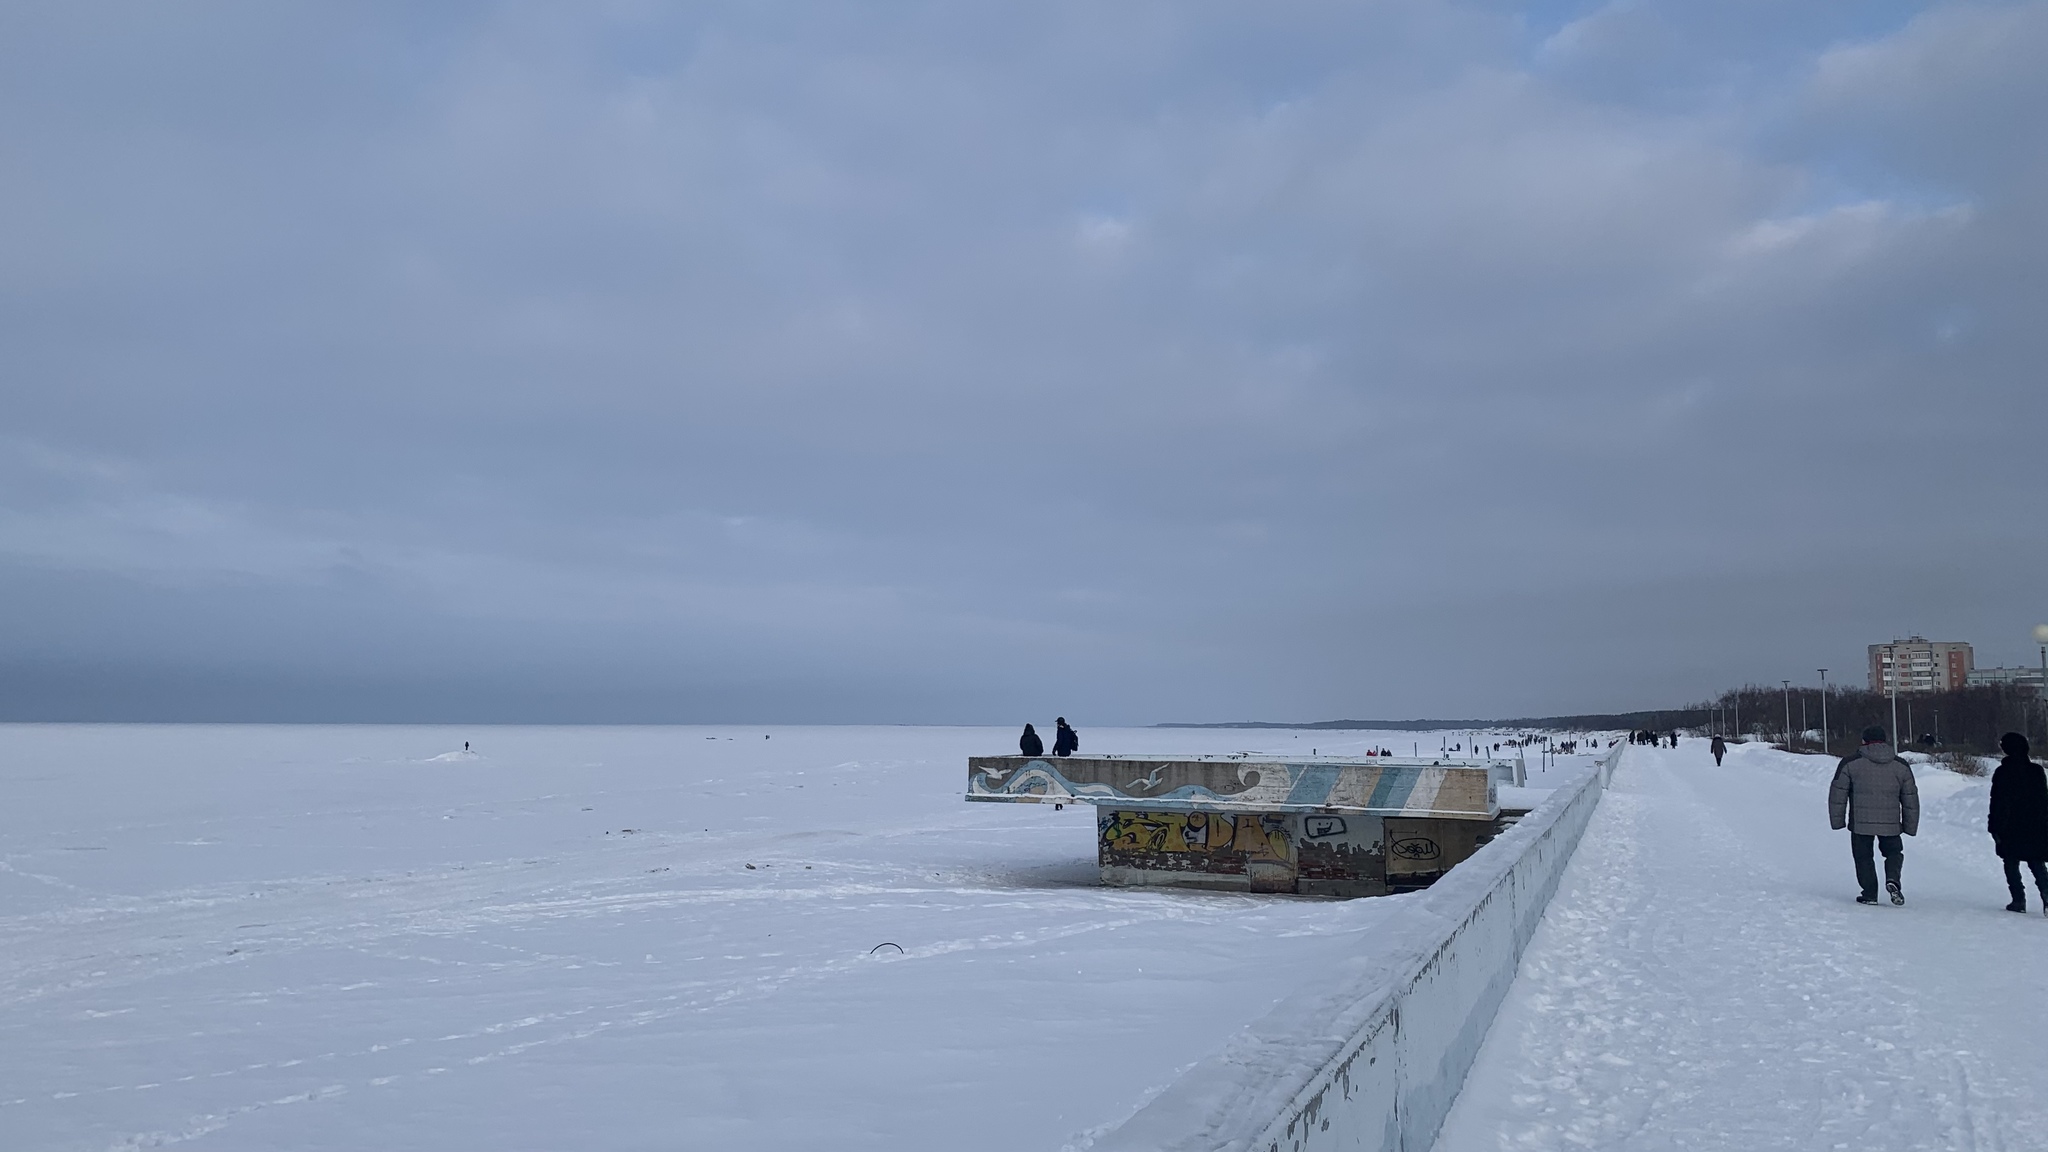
(1875, 798)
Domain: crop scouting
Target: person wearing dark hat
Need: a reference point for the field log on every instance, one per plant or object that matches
(1065, 741)
(1875, 798)
(1029, 743)
(2018, 822)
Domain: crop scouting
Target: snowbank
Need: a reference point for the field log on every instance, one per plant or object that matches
(1513, 799)
(1945, 796)
(1373, 1057)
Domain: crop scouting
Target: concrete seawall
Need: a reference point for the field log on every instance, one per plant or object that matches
(1373, 1059)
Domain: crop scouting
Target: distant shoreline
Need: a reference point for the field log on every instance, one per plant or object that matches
(1658, 720)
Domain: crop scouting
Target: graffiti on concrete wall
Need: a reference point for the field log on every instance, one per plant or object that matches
(1097, 779)
(1263, 837)
(1341, 856)
(1323, 827)
(1310, 853)
(1249, 834)
(1421, 848)
(1419, 789)
(1194, 841)
(1167, 831)
(1416, 848)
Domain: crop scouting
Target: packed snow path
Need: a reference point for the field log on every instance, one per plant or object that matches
(1704, 980)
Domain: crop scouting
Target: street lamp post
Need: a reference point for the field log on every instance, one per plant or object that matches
(1891, 652)
(1823, 709)
(1788, 714)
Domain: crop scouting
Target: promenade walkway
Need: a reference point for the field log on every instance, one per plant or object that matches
(1704, 980)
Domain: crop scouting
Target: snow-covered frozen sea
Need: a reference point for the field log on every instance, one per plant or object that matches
(357, 937)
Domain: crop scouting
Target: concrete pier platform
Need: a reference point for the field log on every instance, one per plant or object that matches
(1314, 827)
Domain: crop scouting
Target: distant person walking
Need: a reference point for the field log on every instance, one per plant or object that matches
(1874, 796)
(2018, 822)
(1719, 748)
(1029, 743)
(1065, 741)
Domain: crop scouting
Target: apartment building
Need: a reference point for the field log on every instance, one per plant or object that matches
(2009, 677)
(1917, 664)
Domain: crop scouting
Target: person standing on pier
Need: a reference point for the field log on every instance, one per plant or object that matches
(1065, 741)
(1029, 744)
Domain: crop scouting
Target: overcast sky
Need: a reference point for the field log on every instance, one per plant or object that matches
(976, 362)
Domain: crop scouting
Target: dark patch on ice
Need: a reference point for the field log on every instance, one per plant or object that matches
(1083, 873)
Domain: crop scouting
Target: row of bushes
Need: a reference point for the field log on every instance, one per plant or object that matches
(1965, 721)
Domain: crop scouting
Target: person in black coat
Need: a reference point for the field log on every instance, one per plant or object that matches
(1065, 741)
(1029, 743)
(2018, 822)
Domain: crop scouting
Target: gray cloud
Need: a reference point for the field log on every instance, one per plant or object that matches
(950, 363)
